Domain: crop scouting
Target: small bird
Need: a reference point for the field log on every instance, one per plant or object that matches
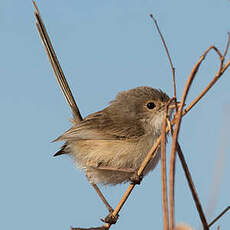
(111, 144)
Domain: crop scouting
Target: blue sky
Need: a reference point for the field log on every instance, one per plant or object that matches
(105, 46)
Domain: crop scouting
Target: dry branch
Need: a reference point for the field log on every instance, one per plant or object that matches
(163, 174)
(190, 182)
(168, 55)
(219, 216)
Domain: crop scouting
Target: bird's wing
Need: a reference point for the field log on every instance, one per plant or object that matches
(99, 126)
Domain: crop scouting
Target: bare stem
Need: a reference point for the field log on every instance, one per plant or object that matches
(191, 185)
(163, 175)
(211, 83)
(168, 54)
(174, 141)
(227, 46)
(218, 217)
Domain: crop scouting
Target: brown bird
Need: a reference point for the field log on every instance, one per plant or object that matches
(111, 144)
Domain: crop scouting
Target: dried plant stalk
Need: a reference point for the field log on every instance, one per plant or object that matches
(219, 73)
(163, 174)
(174, 144)
(219, 216)
(168, 55)
(190, 182)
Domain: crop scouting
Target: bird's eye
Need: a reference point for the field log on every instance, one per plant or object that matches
(151, 105)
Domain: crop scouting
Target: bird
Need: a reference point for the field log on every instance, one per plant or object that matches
(110, 145)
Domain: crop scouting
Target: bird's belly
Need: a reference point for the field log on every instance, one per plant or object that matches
(115, 154)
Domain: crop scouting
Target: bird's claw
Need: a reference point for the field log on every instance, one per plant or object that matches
(135, 178)
(111, 218)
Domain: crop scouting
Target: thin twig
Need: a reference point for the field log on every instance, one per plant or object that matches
(188, 175)
(172, 158)
(174, 141)
(171, 191)
(110, 209)
(218, 217)
(171, 204)
(227, 46)
(168, 54)
(163, 165)
(163, 174)
(211, 83)
(190, 182)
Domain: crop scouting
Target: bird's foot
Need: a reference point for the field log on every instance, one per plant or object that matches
(135, 178)
(111, 218)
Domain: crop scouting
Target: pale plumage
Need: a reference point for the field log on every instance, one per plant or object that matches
(119, 136)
